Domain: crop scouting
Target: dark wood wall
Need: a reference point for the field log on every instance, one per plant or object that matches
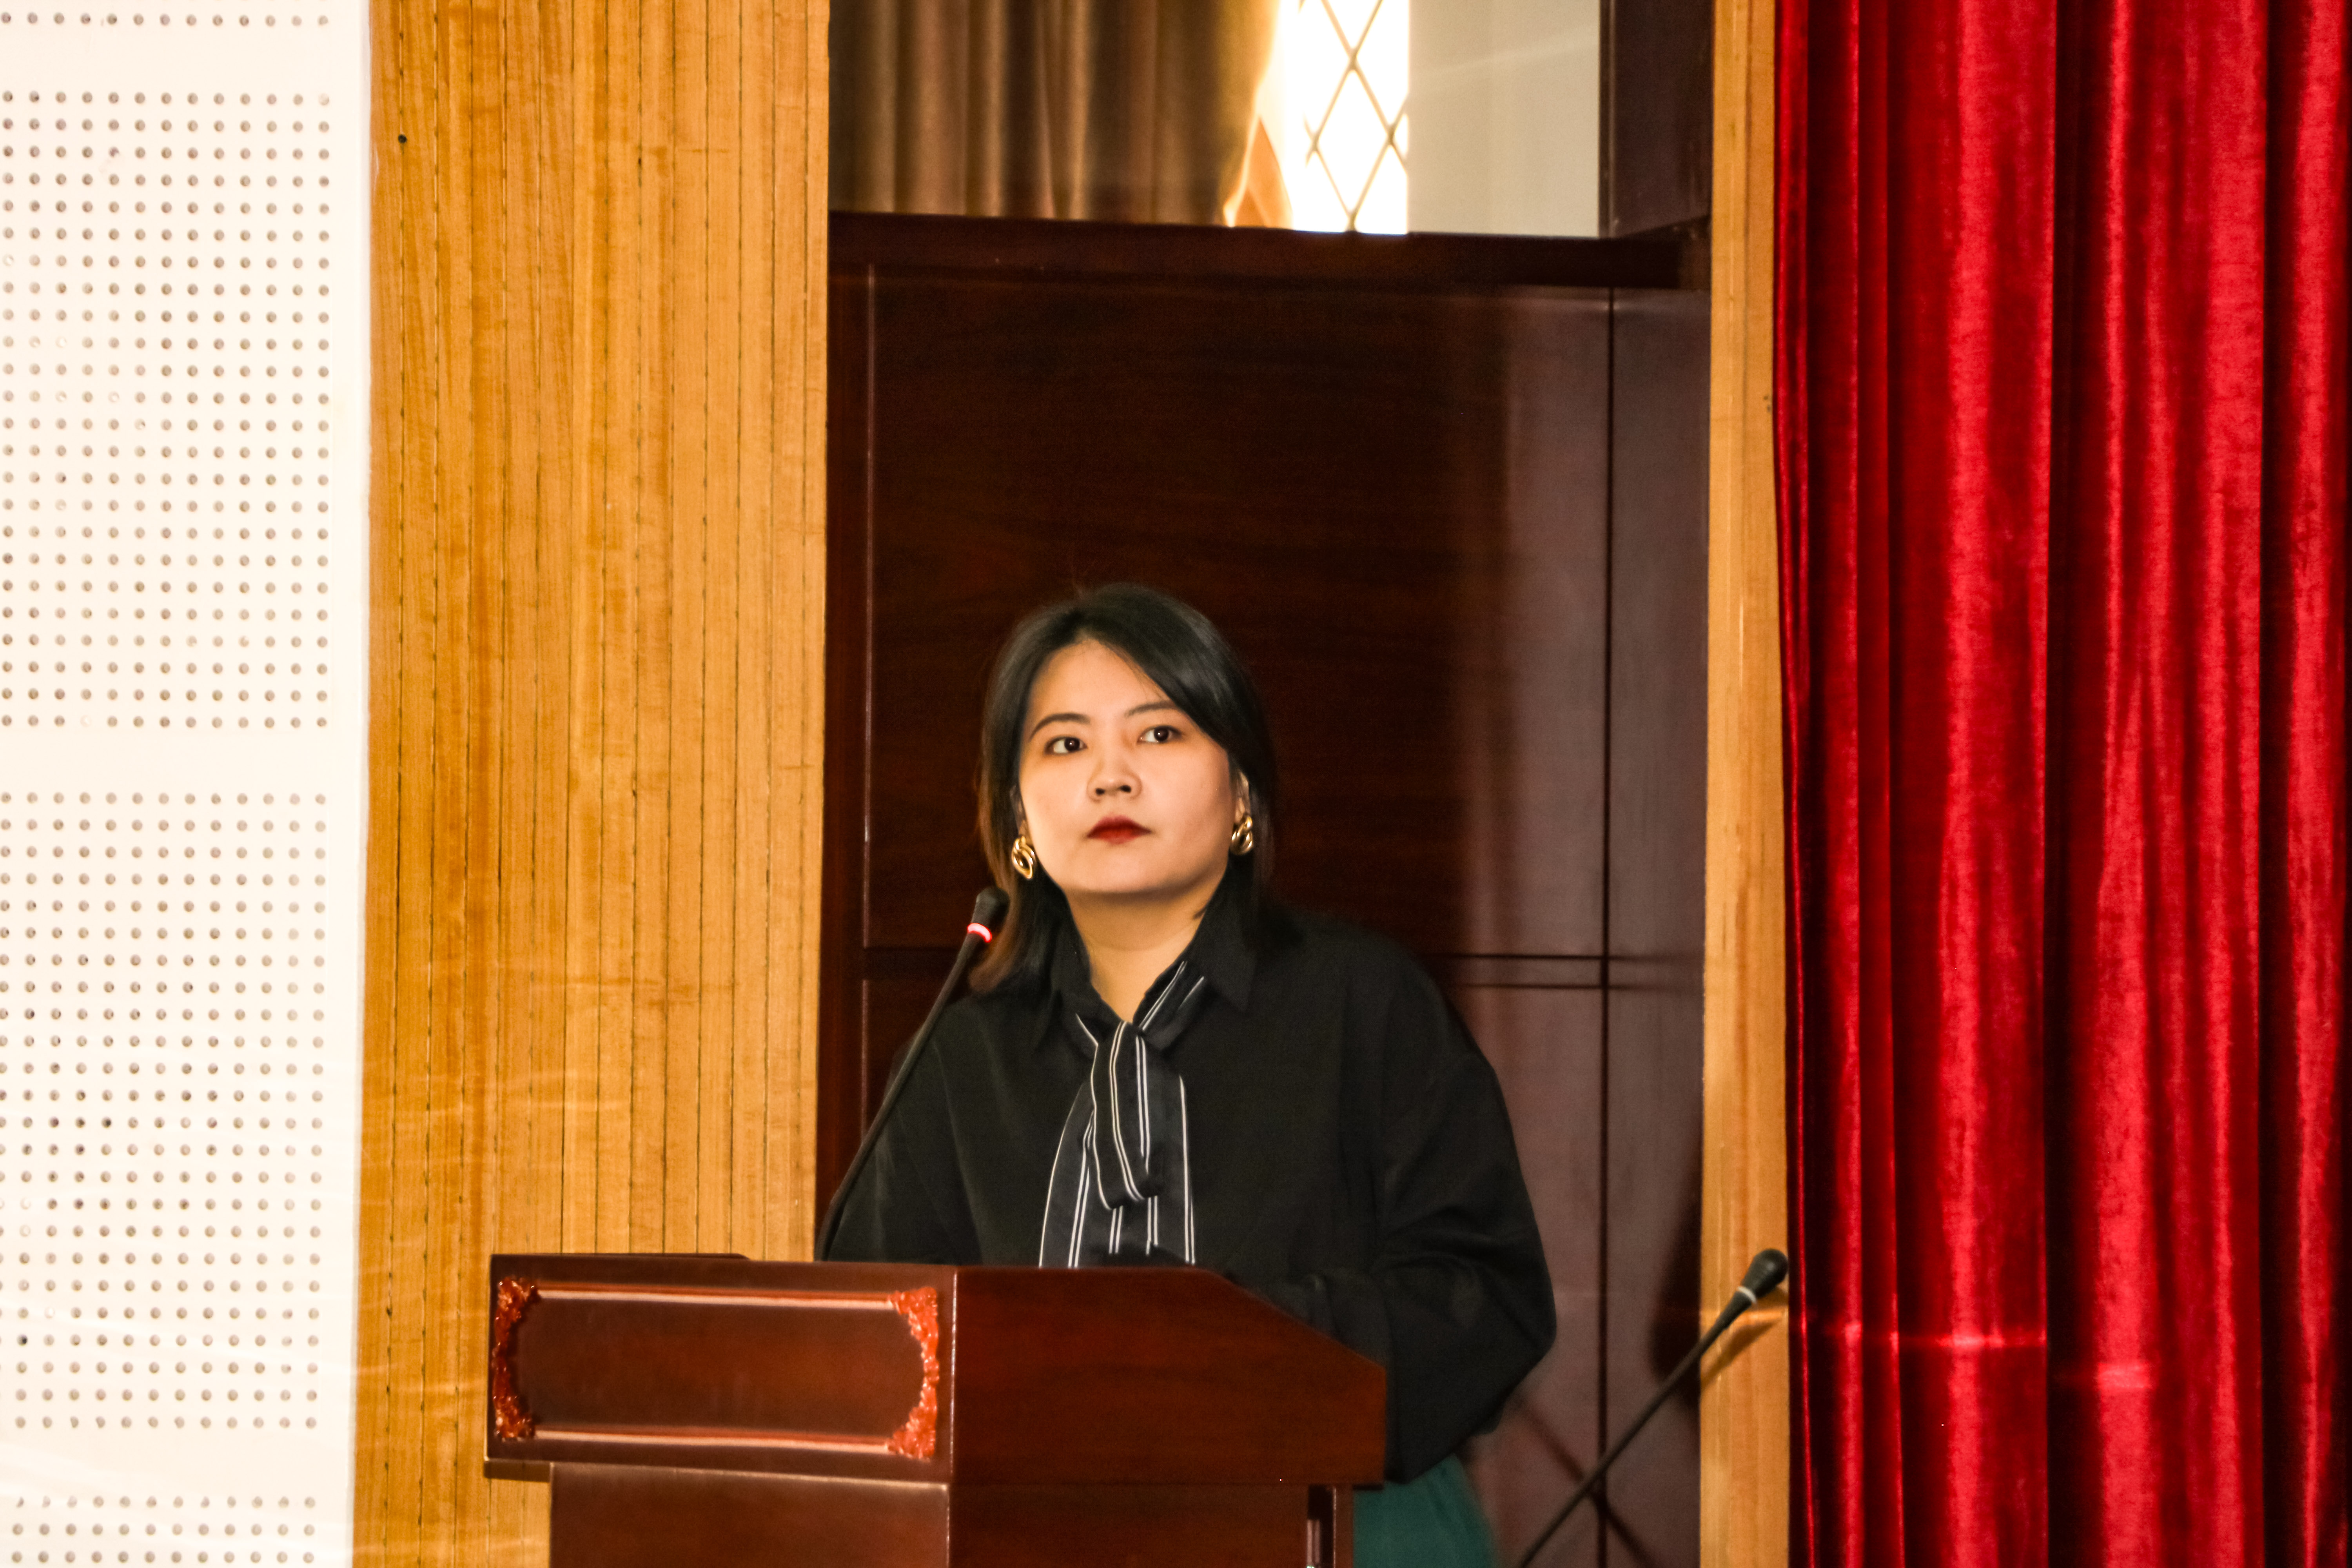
(1657, 114)
(1447, 497)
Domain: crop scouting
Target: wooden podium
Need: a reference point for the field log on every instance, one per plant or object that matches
(715, 1411)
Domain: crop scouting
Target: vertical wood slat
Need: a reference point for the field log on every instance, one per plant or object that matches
(1744, 1403)
(597, 728)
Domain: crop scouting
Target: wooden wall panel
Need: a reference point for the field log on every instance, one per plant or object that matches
(1657, 113)
(1744, 1410)
(597, 643)
(1657, 806)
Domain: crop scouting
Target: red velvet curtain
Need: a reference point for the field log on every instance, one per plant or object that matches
(2063, 411)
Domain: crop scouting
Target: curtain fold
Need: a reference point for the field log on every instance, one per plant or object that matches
(1125, 111)
(2062, 410)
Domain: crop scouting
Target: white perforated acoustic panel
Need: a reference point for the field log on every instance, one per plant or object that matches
(183, 597)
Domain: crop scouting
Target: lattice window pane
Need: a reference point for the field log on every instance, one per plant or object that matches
(1382, 59)
(1384, 207)
(1345, 85)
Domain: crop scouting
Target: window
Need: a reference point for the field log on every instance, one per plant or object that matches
(1337, 98)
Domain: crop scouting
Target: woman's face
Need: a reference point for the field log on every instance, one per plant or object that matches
(1122, 795)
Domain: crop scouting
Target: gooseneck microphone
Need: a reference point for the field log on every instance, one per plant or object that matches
(1767, 1270)
(987, 916)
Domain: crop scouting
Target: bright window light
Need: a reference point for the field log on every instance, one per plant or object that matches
(1342, 114)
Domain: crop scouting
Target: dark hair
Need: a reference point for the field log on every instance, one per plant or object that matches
(1184, 654)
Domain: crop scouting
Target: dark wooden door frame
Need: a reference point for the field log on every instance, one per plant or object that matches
(1639, 974)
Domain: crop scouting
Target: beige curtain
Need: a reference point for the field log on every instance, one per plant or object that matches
(1136, 111)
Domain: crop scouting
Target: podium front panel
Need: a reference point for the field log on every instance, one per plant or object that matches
(719, 1364)
(893, 1372)
(631, 1517)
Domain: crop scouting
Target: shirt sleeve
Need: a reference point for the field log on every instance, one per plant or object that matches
(1457, 1302)
(907, 1204)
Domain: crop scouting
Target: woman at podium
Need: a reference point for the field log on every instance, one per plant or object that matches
(1160, 1065)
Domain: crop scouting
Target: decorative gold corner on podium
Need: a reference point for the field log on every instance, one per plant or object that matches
(919, 1438)
(516, 1298)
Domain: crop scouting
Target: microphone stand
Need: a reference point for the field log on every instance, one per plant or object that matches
(1766, 1272)
(987, 912)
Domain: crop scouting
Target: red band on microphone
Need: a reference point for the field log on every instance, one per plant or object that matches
(981, 932)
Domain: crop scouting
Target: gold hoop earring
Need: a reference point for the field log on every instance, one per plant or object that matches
(1245, 838)
(1025, 858)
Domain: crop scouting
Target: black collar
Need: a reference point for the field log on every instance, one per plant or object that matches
(1220, 950)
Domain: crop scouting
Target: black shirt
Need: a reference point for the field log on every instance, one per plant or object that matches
(1351, 1159)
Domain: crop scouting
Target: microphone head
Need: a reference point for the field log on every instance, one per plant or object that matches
(988, 911)
(1765, 1274)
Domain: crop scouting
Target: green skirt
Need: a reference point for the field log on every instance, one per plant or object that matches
(1432, 1523)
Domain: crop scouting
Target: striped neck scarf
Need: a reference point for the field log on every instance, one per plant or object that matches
(1122, 1191)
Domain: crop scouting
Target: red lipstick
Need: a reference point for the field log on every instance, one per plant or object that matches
(1118, 830)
